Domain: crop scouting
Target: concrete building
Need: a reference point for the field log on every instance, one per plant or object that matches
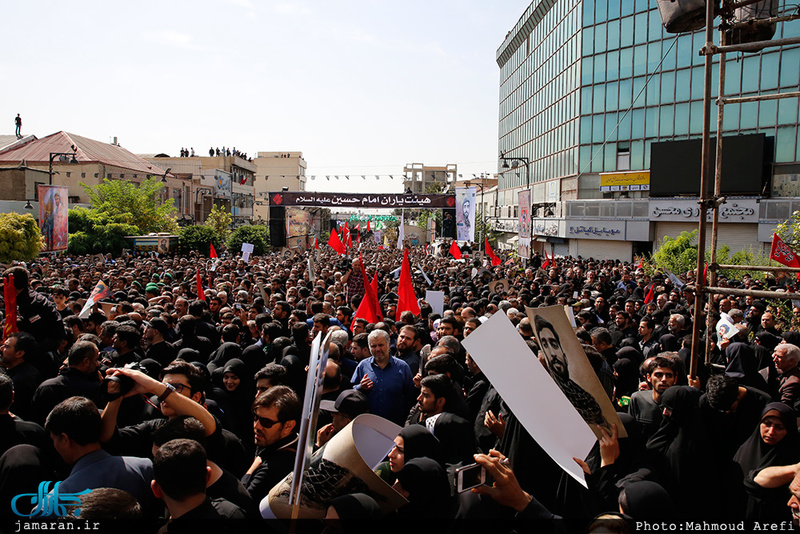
(421, 179)
(589, 89)
(76, 159)
(274, 172)
(225, 181)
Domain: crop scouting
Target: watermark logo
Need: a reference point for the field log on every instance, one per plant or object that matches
(46, 502)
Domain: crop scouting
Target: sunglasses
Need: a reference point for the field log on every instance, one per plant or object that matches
(264, 421)
(179, 387)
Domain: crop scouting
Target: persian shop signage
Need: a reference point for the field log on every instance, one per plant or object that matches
(742, 210)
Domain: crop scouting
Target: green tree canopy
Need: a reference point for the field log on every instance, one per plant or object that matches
(198, 238)
(255, 234)
(139, 205)
(93, 231)
(20, 238)
(219, 220)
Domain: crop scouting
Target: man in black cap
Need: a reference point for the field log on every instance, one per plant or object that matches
(348, 405)
(159, 349)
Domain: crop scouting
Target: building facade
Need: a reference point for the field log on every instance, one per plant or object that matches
(276, 171)
(587, 88)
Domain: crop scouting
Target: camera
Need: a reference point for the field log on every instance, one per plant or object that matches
(470, 476)
(126, 383)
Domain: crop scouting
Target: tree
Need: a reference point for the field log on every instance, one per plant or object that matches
(139, 205)
(20, 238)
(219, 220)
(198, 238)
(255, 234)
(96, 231)
(789, 231)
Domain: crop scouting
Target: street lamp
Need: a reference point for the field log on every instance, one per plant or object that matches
(515, 161)
(63, 157)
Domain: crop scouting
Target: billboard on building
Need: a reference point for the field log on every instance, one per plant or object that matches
(53, 217)
(465, 213)
(625, 181)
(524, 199)
(298, 222)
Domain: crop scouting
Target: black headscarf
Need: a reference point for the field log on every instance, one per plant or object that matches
(357, 512)
(742, 366)
(754, 454)
(418, 442)
(627, 379)
(646, 500)
(429, 489)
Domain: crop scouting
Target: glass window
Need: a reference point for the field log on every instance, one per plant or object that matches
(670, 52)
(681, 119)
(611, 127)
(784, 144)
(588, 41)
(637, 124)
(600, 10)
(749, 111)
(626, 63)
(642, 5)
(697, 83)
(626, 30)
(627, 7)
(600, 38)
(612, 96)
(613, 35)
(598, 129)
(653, 56)
(586, 99)
(637, 156)
(624, 128)
(599, 99)
(640, 28)
(609, 160)
(685, 51)
(787, 111)
(585, 155)
(597, 158)
(638, 93)
(640, 60)
(750, 74)
(600, 68)
(696, 118)
(667, 87)
(655, 30)
(769, 70)
(588, 12)
(612, 65)
(733, 77)
(651, 122)
(653, 91)
(665, 122)
(790, 63)
(587, 70)
(682, 85)
(766, 113)
(624, 94)
(586, 129)
(613, 8)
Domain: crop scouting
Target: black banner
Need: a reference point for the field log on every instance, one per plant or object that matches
(357, 200)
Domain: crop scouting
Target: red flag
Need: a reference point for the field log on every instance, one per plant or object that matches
(407, 300)
(316, 243)
(349, 239)
(455, 251)
(546, 259)
(10, 293)
(368, 228)
(200, 293)
(640, 265)
(781, 253)
(335, 243)
(705, 275)
(368, 308)
(649, 298)
(490, 252)
(212, 253)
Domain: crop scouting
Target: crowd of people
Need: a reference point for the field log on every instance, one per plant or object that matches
(174, 403)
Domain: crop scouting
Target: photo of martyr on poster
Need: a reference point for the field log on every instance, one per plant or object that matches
(561, 353)
(465, 213)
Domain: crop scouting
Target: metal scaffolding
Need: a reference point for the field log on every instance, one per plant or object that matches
(726, 11)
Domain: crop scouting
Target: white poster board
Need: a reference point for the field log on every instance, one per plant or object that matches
(530, 393)
(436, 300)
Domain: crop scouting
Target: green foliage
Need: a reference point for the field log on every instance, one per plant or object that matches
(139, 205)
(255, 234)
(679, 255)
(95, 231)
(197, 238)
(20, 238)
(219, 220)
(789, 231)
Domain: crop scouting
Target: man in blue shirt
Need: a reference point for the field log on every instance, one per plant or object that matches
(385, 380)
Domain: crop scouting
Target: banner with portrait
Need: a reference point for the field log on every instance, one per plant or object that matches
(298, 222)
(53, 216)
(465, 213)
(524, 199)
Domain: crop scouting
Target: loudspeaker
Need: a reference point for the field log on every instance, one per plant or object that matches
(449, 223)
(277, 226)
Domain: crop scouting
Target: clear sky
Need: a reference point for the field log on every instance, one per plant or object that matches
(361, 87)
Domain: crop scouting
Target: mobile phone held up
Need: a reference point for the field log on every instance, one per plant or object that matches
(470, 476)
